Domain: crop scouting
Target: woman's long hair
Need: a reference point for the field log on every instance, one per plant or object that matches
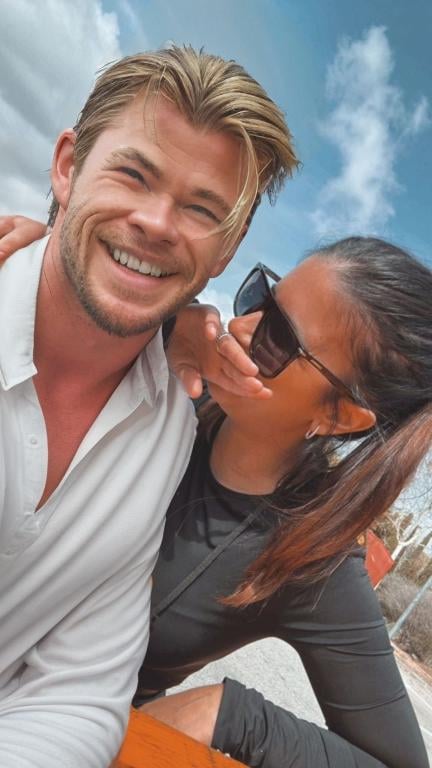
(326, 503)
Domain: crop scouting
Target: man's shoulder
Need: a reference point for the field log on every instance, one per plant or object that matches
(28, 258)
(19, 282)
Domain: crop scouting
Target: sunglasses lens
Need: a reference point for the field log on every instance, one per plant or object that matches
(274, 343)
(252, 295)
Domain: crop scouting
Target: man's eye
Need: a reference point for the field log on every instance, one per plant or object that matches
(205, 212)
(133, 173)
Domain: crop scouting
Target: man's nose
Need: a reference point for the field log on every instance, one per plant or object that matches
(157, 220)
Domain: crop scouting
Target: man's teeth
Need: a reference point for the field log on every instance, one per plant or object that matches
(132, 262)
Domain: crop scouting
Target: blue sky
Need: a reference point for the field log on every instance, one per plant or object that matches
(354, 80)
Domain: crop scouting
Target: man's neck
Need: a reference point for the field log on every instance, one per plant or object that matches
(68, 343)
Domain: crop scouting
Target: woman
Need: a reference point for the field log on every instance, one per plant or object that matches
(260, 537)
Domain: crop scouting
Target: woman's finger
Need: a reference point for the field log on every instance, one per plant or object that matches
(242, 328)
(191, 380)
(6, 225)
(212, 323)
(249, 386)
(232, 351)
(17, 232)
(241, 390)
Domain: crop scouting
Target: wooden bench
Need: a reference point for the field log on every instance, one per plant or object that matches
(152, 744)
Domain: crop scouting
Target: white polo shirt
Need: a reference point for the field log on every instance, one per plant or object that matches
(75, 575)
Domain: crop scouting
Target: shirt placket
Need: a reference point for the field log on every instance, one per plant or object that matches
(33, 435)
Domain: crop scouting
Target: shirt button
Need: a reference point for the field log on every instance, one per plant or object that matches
(33, 440)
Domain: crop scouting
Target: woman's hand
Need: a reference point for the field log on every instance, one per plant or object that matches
(17, 232)
(197, 351)
(193, 712)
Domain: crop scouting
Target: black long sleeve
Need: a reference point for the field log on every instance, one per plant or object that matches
(263, 735)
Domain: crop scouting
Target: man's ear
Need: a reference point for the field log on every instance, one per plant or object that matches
(226, 258)
(62, 168)
(351, 417)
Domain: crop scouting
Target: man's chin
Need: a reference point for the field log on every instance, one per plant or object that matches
(125, 318)
(123, 331)
(119, 324)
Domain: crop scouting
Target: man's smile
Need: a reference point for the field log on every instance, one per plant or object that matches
(136, 264)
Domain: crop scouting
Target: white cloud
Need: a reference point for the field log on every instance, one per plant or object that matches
(420, 118)
(49, 54)
(223, 301)
(135, 23)
(367, 125)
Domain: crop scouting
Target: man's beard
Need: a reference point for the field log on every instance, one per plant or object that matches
(103, 318)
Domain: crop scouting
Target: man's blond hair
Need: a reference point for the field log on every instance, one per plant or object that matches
(210, 92)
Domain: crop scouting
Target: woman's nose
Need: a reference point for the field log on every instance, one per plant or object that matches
(243, 328)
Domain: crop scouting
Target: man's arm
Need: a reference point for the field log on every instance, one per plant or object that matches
(71, 707)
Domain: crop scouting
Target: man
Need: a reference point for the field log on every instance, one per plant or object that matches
(153, 189)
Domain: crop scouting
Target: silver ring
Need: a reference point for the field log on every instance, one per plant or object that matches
(221, 336)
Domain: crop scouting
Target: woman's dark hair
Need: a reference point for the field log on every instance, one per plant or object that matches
(326, 503)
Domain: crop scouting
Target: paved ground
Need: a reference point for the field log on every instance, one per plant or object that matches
(275, 669)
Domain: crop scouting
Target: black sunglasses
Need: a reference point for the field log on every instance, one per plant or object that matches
(275, 344)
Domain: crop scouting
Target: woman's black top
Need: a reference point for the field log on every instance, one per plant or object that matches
(336, 627)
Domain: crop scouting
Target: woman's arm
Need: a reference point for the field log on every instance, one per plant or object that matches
(259, 733)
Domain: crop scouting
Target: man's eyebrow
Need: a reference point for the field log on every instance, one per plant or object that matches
(212, 197)
(133, 155)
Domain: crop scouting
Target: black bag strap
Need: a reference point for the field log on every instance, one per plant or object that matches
(204, 564)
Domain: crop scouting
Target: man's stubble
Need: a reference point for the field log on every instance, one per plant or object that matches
(76, 274)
